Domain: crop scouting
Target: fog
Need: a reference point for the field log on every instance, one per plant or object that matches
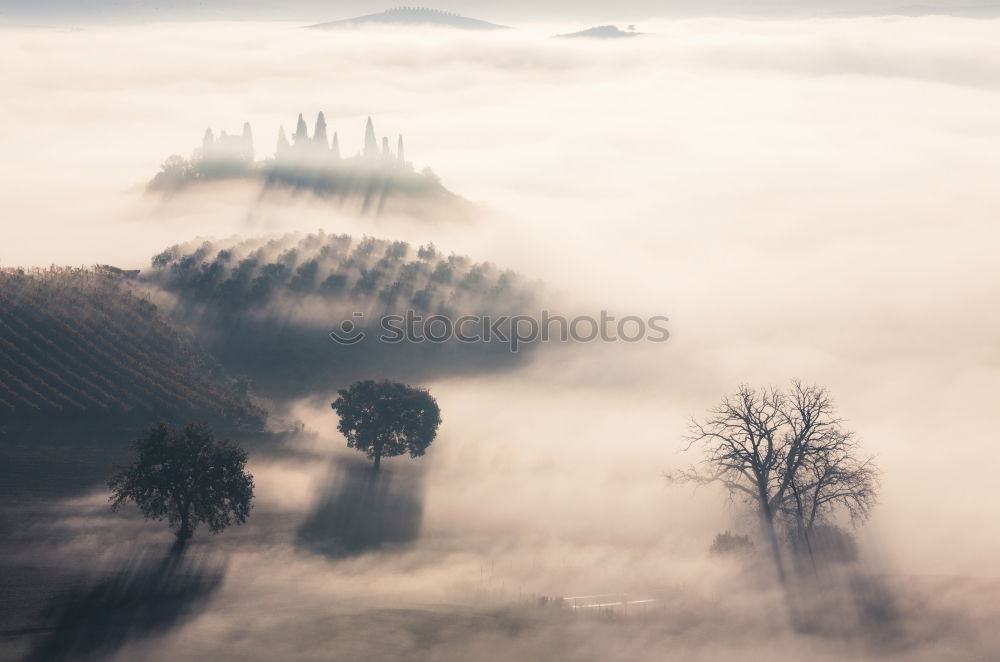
(808, 199)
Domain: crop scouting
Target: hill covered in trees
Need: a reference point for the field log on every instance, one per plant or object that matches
(82, 345)
(266, 307)
(308, 162)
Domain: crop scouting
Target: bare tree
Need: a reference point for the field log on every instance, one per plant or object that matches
(833, 479)
(777, 448)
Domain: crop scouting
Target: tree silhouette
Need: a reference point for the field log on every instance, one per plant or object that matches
(784, 452)
(386, 419)
(283, 145)
(731, 544)
(371, 146)
(301, 135)
(187, 477)
(319, 133)
(335, 147)
(832, 478)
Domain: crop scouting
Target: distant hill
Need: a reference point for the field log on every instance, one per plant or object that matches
(82, 345)
(603, 32)
(415, 16)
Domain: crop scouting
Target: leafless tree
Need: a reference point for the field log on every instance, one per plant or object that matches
(831, 480)
(785, 453)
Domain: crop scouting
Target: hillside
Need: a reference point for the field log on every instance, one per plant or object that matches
(414, 16)
(266, 307)
(81, 345)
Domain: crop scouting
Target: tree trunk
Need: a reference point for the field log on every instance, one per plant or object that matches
(803, 527)
(809, 548)
(184, 533)
(772, 538)
(378, 459)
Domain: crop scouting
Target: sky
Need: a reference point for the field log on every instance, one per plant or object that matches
(514, 11)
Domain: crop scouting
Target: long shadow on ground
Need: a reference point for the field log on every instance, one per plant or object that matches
(365, 510)
(143, 596)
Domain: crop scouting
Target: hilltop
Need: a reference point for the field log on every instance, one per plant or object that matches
(313, 162)
(603, 32)
(414, 16)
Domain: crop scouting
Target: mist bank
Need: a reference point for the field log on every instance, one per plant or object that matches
(881, 123)
(811, 199)
(518, 538)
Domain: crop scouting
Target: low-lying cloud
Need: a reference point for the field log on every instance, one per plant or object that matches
(811, 199)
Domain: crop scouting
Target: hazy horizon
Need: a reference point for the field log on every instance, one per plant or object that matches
(575, 15)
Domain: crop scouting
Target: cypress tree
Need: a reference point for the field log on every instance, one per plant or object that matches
(301, 135)
(371, 145)
(319, 135)
(283, 145)
(335, 147)
(247, 142)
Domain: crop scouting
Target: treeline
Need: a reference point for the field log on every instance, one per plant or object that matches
(265, 308)
(82, 345)
(300, 272)
(308, 161)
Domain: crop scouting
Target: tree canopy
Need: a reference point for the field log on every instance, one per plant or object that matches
(187, 477)
(386, 419)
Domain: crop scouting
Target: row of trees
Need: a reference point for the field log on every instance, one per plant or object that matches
(336, 268)
(265, 307)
